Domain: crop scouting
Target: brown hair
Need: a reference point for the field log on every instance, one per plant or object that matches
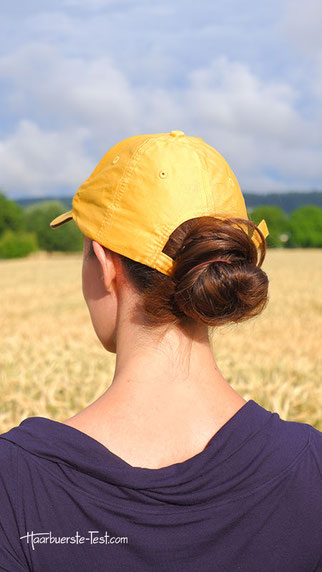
(216, 293)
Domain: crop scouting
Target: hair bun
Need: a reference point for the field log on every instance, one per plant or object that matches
(218, 278)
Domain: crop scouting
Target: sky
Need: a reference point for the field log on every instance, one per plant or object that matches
(77, 76)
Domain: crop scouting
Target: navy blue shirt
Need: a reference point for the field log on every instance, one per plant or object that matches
(250, 501)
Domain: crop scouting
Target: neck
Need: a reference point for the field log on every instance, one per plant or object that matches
(165, 379)
(166, 400)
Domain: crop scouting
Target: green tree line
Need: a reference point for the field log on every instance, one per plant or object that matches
(25, 230)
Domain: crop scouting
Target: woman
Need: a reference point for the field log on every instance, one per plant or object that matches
(170, 469)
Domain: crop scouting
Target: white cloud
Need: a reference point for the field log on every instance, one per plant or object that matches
(302, 23)
(234, 98)
(256, 125)
(85, 83)
(45, 82)
(96, 4)
(36, 161)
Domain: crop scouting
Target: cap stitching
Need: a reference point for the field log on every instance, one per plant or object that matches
(149, 254)
(201, 174)
(127, 174)
(119, 191)
(196, 148)
(154, 248)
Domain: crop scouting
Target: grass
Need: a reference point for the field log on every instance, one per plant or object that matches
(52, 365)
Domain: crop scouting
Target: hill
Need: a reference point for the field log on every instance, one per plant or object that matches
(287, 201)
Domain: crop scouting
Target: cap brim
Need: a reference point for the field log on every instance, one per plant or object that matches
(65, 217)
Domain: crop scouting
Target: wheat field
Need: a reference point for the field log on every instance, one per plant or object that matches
(52, 364)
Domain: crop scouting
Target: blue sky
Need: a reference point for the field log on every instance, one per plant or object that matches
(77, 76)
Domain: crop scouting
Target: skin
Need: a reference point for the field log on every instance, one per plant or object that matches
(167, 397)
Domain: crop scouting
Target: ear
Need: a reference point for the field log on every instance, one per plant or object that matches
(105, 258)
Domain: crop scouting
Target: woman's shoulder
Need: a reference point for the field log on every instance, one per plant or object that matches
(8, 461)
(315, 444)
(305, 438)
(8, 449)
(288, 451)
(11, 553)
(301, 446)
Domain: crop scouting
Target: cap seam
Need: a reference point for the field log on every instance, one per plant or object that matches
(121, 187)
(203, 180)
(112, 193)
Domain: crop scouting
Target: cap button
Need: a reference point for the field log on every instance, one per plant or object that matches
(177, 133)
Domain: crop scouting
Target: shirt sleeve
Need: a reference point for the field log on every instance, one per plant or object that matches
(316, 448)
(12, 557)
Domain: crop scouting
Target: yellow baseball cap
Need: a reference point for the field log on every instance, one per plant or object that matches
(146, 186)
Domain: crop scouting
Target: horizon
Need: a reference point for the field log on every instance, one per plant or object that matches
(245, 193)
